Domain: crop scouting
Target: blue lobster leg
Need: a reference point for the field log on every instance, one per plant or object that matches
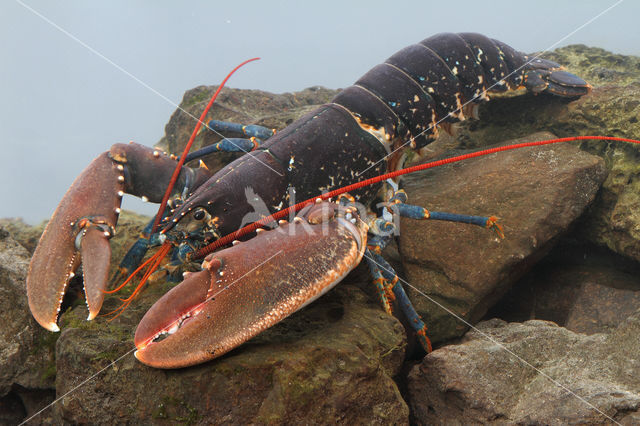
(385, 278)
(254, 136)
(397, 204)
(226, 145)
(387, 281)
(249, 130)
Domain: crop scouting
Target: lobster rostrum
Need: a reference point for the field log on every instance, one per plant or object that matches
(359, 135)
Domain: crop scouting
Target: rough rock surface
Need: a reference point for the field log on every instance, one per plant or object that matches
(275, 111)
(611, 109)
(531, 373)
(26, 356)
(584, 288)
(334, 360)
(537, 193)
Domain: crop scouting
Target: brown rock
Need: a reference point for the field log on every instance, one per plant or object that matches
(537, 192)
(583, 288)
(275, 111)
(611, 109)
(332, 362)
(26, 350)
(531, 373)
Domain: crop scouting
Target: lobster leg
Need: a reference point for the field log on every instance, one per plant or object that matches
(248, 130)
(398, 205)
(85, 219)
(255, 136)
(226, 145)
(381, 267)
(385, 278)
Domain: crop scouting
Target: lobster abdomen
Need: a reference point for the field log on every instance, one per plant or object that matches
(397, 103)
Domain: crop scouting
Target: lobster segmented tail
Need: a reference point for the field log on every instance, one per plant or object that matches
(440, 80)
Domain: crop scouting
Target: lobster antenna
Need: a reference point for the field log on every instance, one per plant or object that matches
(155, 260)
(183, 157)
(295, 208)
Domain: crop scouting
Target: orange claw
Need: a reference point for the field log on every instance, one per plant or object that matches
(78, 231)
(246, 288)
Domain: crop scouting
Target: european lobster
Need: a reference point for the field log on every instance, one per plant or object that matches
(360, 134)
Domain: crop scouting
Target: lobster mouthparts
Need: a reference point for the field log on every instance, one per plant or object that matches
(247, 288)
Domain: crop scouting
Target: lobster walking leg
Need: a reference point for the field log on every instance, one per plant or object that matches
(385, 278)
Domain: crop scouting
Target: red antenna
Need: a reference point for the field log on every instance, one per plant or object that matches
(285, 212)
(155, 260)
(176, 172)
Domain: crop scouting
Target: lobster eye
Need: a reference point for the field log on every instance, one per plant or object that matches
(199, 214)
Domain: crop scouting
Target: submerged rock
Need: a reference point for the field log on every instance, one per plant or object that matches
(27, 364)
(584, 288)
(531, 373)
(536, 192)
(334, 361)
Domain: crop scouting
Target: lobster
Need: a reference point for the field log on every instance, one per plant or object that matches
(250, 286)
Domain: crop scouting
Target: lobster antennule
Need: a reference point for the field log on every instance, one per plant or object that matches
(152, 265)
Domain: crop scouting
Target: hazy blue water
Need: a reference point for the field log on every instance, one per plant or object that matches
(61, 105)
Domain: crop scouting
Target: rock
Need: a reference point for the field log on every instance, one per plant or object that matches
(537, 192)
(26, 235)
(26, 350)
(584, 288)
(334, 361)
(598, 66)
(611, 109)
(531, 373)
(274, 111)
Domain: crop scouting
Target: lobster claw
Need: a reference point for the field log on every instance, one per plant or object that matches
(247, 288)
(78, 231)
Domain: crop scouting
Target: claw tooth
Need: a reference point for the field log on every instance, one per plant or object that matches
(173, 329)
(53, 327)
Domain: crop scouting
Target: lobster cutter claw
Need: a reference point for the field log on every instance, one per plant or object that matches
(78, 231)
(247, 288)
